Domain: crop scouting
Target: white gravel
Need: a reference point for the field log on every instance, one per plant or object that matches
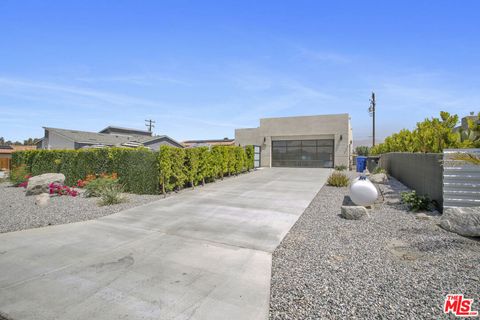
(397, 265)
(18, 212)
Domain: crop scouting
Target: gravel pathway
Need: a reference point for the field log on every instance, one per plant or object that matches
(18, 212)
(397, 265)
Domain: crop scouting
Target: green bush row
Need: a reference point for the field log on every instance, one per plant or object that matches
(189, 167)
(140, 170)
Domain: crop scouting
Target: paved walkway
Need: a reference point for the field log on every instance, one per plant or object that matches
(201, 254)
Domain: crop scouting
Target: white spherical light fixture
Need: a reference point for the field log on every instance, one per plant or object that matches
(363, 192)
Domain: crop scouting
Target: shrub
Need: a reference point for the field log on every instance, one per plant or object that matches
(205, 165)
(341, 167)
(95, 187)
(137, 169)
(379, 170)
(140, 170)
(19, 175)
(250, 156)
(362, 150)
(338, 179)
(111, 194)
(415, 202)
(191, 166)
(61, 190)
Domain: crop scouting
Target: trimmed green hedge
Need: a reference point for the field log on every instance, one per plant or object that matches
(140, 170)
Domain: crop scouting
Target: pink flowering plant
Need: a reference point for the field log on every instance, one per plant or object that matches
(61, 190)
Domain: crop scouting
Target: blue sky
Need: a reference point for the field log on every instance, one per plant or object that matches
(203, 68)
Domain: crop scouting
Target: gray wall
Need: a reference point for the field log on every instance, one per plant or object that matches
(54, 141)
(156, 146)
(461, 180)
(422, 172)
(292, 128)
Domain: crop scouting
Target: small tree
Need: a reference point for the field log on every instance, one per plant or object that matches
(178, 171)
(165, 167)
(250, 155)
(205, 165)
(218, 164)
(191, 166)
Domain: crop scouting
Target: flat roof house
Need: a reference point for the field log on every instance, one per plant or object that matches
(111, 136)
(320, 141)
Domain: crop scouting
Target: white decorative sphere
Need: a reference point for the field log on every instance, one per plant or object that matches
(363, 192)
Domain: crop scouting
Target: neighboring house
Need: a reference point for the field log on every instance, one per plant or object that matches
(111, 136)
(6, 155)
(208, 143)
(322, 141)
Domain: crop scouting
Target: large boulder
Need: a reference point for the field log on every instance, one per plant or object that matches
(462, 220)
(354, 213)
(378, 178)
(40, 184)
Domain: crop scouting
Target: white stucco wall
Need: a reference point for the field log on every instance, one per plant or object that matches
(335, 127)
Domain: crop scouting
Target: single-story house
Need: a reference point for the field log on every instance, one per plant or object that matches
(111, 136)
(320, 141)
(6, 155)
(208, 143)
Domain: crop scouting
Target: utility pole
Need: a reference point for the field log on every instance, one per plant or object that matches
(150, 124)
(371, 110)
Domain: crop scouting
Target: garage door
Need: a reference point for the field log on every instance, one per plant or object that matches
(303, 153)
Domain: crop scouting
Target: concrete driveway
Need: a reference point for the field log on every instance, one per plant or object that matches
(201, 254)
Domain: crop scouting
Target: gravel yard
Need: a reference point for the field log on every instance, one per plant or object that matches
(395, 265)
(18, 212)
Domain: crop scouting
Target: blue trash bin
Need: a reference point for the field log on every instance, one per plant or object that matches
(361, 163)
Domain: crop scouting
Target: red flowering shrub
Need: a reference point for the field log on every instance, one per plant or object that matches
(24, 184)
(59, 189)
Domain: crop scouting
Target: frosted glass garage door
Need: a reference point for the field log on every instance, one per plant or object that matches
(303, 153)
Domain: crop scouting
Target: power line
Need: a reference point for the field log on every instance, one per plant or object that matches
(371, 110)
(150, 124)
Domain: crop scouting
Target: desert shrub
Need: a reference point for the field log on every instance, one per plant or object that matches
(111, 194)
(338, 179)
(416, 202)
(341, 167)
(95, 187)
(19, 175)
(379, 170)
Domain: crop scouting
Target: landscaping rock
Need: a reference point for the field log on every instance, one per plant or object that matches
(378, 178)
(42, 199)
(354, 213)
(462, 220)
(40, 184)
